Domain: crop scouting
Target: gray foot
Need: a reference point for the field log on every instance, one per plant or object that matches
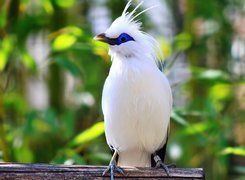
(160, 164)
(113, 168)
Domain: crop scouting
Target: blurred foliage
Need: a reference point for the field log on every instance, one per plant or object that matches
(208, 137)
(55, 133)
(47, 46)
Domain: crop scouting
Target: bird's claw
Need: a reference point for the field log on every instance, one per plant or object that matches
(111, 169)
(172, 165)
(160, 164)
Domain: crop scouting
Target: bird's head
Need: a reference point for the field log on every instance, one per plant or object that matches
(125, 37)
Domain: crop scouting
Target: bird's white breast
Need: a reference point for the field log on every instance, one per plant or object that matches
(136, 104)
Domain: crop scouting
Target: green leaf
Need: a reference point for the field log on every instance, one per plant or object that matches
(234, 150)
(209, 74)
(74, 30)
(41, 126)
(6, 47)
(166, 48)
(3, 60)
(198, 128)
(175, 116)
(64, 3)
(68, 65)
(88, 135)
(182, 41)
(63, 41)
(15, 101)
(47, 5)
(218, 94)
(220, 91)
(23, 153)
(28, 61)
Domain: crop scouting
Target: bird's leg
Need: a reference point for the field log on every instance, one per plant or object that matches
(113, 167)
(160, 164)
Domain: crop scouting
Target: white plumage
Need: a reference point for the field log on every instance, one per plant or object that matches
(137, 99)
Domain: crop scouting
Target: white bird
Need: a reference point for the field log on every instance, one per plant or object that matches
(137, 98)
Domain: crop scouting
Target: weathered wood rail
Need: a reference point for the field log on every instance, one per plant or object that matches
(47, 171)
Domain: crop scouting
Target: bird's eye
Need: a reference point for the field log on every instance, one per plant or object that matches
(124, 38)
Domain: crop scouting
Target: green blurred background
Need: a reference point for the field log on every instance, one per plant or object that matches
(52, 74)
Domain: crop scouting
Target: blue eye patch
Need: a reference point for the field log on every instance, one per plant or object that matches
(124, 37)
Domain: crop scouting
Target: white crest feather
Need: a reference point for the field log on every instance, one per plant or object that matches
(128, 22)
(143, 12)
(132, 13)
(126, 7)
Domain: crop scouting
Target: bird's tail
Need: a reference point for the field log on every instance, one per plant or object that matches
(134, 158)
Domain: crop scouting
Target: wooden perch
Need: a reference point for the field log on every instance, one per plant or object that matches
(48, 171)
